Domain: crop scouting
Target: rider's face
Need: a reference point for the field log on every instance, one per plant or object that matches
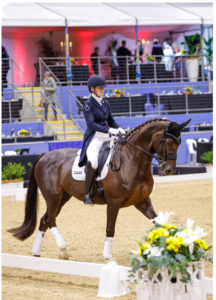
(99, 91)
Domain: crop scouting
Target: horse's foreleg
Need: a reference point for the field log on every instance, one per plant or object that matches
(112, 213)
(146, 208)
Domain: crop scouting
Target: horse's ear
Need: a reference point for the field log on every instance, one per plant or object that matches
(170, 127)
(182, 125)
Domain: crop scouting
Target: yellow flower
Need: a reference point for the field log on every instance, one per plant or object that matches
(202, 244)
(143, 247)
(170, 226)
(156, 233)
(174, 243)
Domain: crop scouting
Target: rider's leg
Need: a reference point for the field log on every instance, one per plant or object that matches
(92, 155)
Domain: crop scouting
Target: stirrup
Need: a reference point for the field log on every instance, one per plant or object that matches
(88, 200)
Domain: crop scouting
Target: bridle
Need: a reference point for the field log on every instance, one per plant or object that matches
(161, 158)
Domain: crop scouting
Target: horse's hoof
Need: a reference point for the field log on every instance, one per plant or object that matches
(36, 255)
(63, 254)
(111, 262)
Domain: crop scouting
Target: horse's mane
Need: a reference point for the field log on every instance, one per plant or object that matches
(132, 131)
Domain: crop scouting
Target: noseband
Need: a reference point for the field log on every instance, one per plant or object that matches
(161, 158)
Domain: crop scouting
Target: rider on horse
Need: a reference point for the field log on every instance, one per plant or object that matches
(100, 124)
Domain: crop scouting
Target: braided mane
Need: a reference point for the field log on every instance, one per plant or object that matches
(142, 125)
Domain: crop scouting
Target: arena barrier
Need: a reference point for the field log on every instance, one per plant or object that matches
(112, 278)
(173, 178)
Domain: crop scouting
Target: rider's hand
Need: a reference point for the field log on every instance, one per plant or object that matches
(122, 131)
(113, 131)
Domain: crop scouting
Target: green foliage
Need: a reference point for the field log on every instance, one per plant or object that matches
(13, 171)
(46, 49)
(208, 157)
(18, 150)
(209, 49)
(29, 164)
(192, 42)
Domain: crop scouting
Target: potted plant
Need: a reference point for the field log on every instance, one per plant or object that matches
(149, 58)
(23, 132)
(208, 157)
(18, 150)
(169, 265)
(117, 92)
(209, 50)
(192, 64)
(12, 176)
(188, 90)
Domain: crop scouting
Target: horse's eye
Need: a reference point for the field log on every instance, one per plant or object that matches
(169, 143)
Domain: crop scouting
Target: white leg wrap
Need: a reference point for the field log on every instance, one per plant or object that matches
(38, 243)
(58, 238)
(107, 253)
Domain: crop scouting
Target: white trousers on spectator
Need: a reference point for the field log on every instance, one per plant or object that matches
(94, 147)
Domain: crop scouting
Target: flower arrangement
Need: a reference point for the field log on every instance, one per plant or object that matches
(188, 90)
(72, 61)
(169, 246)
(208, 157)
(149, 58)
(117, 92)
(23, 132)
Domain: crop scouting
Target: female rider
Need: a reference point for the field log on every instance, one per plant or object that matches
(100, 124)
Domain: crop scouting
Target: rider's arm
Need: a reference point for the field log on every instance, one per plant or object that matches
(112, 123)
(89, 117)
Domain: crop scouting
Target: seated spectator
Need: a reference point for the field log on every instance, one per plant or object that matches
(157, 50)
(122, 52)
(94, 60)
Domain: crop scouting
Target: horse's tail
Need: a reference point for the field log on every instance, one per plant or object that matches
(27, 228)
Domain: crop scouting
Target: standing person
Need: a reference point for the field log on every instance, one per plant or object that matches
(100, 123)
(114, 66)
(94, 60)
(50, 88)
(168, 59)
(157, 50)
(122, 52)
(5, 67)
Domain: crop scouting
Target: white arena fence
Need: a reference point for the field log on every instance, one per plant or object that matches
(113, 279)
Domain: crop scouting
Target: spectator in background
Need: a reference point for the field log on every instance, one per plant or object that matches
(123, 52)
(157, 50)
(50, 88)
(168, 59)
(114, 66)
(94, 60)
(5, 67)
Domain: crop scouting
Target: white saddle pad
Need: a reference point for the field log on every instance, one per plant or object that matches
(79, 173)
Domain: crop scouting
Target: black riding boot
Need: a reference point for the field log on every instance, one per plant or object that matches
(89, 184)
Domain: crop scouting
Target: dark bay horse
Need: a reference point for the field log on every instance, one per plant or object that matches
(132, 184)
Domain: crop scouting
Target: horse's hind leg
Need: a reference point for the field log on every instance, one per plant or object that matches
(45, 223)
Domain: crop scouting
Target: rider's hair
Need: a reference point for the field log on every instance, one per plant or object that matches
(142, 125)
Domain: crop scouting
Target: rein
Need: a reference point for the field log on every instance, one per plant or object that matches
(162, 159)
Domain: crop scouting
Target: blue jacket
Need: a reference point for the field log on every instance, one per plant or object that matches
(96, 117)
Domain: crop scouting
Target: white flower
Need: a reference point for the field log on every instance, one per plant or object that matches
(153, 251)
(199, 233)
(162, 218)
(190, 223)
(135, 252)
(188, 238)
(191, 248)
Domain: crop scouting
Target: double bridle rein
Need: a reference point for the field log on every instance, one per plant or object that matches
(161, 158)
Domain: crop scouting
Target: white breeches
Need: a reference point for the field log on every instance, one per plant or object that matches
(94, 147)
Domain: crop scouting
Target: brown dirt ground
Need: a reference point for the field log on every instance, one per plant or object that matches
(83, 228)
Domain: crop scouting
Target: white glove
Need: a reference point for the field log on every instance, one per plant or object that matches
(113, 131)
(121, 130)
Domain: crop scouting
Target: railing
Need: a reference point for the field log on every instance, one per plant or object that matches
(44, 68)
(157, 103)
(122, 70)
(54, 108)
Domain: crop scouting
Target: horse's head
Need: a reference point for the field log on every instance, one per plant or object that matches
(169, 144)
